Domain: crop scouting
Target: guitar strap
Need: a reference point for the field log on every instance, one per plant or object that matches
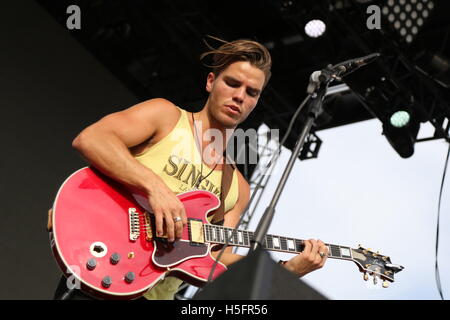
(227, 178)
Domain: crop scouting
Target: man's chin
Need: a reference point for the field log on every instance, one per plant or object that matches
(228, 121)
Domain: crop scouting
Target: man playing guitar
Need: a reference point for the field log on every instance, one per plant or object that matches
(140, 148)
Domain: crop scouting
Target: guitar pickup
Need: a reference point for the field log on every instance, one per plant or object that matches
(196, 235)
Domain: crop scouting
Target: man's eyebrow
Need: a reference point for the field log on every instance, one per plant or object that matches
(257, 91)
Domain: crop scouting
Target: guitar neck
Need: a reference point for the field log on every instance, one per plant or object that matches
(242, 238)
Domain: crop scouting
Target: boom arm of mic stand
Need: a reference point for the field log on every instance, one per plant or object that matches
(315, 109)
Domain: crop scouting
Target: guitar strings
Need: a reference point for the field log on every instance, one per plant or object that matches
(210, 230)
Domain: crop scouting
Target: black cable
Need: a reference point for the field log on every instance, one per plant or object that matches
(438, 278)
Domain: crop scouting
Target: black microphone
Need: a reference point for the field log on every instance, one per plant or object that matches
(347, 67)
(338, 71)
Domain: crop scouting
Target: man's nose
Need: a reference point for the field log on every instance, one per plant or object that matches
(239, 95)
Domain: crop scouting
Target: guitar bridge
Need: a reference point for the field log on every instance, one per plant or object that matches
(133, 218)
(148, 227)
(135, 225)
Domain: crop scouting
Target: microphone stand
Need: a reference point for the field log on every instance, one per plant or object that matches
(317, 89)
(263, 276)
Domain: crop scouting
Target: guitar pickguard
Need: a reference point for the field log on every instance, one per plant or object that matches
(168, 254)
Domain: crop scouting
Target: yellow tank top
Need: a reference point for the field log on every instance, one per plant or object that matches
(176, 160)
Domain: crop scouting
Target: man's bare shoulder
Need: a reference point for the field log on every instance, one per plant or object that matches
(158, 108)
(158, 113)
(136, 124)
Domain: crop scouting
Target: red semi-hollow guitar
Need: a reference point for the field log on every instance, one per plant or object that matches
(103, 237)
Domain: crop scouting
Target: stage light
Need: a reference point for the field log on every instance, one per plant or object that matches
(401, 132)
(407, 16)
(400, 119)
(315, 28)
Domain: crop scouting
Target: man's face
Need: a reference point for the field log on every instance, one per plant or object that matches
(234, 93)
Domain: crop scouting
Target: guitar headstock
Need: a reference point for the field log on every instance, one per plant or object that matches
(376, 265)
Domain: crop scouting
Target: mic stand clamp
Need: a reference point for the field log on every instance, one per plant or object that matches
(324, 76)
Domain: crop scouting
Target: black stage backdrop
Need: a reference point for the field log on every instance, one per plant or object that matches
(50, 89)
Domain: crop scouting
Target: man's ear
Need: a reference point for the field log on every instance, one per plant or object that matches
(210, 81)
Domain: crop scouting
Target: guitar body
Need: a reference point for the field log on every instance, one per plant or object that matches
(91, 239)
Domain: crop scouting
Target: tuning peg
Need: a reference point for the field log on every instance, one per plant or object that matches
(366, 276)
(375, 280)
(385, 284)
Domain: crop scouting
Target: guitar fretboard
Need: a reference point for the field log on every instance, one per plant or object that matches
(242, 238)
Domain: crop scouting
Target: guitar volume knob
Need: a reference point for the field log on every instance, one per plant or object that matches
(129, 277)
(115, 258)
(106, 282)
(91, 264)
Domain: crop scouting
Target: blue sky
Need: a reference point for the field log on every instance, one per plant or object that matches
(359, 191)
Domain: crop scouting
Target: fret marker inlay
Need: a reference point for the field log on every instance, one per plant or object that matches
(291, 244)
(276, 243)
(345, 252)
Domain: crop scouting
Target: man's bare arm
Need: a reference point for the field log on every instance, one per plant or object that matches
(105, 144)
